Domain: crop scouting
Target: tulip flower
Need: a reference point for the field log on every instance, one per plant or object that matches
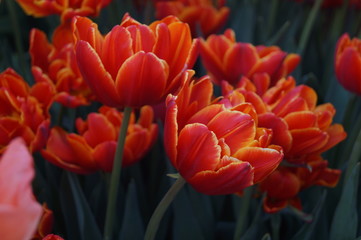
(56, 65)
(299, 125)
(228, 60)
(202, 16)
(67, 9)
(45, 224)
(348, 63)
(217, 158)
(291, 180)
(92, 150)
(19, 211)
(134, 64)
(23, 112)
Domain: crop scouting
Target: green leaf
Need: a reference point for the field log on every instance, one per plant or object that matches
(307, 229)
(344, 223)
(185, 225)
(132, 226)
(78, 215)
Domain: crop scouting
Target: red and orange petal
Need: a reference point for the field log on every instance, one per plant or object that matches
(348, 63)
(45, 224)
(231, 178)
(263, 160)
(69, 151)
(282, 184)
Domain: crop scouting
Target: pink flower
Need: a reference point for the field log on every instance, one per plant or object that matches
(19, 211)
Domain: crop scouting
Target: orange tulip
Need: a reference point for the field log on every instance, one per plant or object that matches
(134, 64)
(92, 150)
(45, 224)
(291, 180)
(202, 16)
(228, 60)
(282, 187)
(299, 126)
(23, 111)
(348, 63)
(19, 211)
(67, 8)
(56, 65)
(217, 158)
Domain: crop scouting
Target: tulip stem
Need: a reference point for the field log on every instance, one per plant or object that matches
(241, 221)
(115, 176)
(158, 213)
(308, 26)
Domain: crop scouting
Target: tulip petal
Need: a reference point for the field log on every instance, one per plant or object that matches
(141, 80)
(243, 53)
(307, 141)
(117, 47)
(39, 49)
(229, 179)
(198, 150)
(301, 119)
(239, 131)
(19, 211)
(93, 136)
(104, 155)
(171, 129)
(264, 160)
(98, 79)
(348, 69)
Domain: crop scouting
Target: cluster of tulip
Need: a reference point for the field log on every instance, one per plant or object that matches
(246, 122)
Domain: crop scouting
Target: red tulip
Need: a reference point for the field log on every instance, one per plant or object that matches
(67, 8)
(23, 111)
(45, 224)
(348, 63)
(214, 157)
(134, 64)
(56, 66)
(19, 211)
(228, 60)
(284, 184)
(92, 150)
(202, 16)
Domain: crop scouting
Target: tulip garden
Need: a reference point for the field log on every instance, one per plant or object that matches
(180, 119)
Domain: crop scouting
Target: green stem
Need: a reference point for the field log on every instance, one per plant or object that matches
(272, 17)
(115, 177)
(308, 26)
(158, 213)
(355, 156)
(240, 225)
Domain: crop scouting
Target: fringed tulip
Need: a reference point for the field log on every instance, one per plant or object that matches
(348, 63)
(56, 65)
(284, 184)
(23, 111)
(202, 16)
(134, 64)
(67, 8)
(218, 158)
(228, 60)
(92, 150)
(302, 128)
(45, 224)
(19, 210)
